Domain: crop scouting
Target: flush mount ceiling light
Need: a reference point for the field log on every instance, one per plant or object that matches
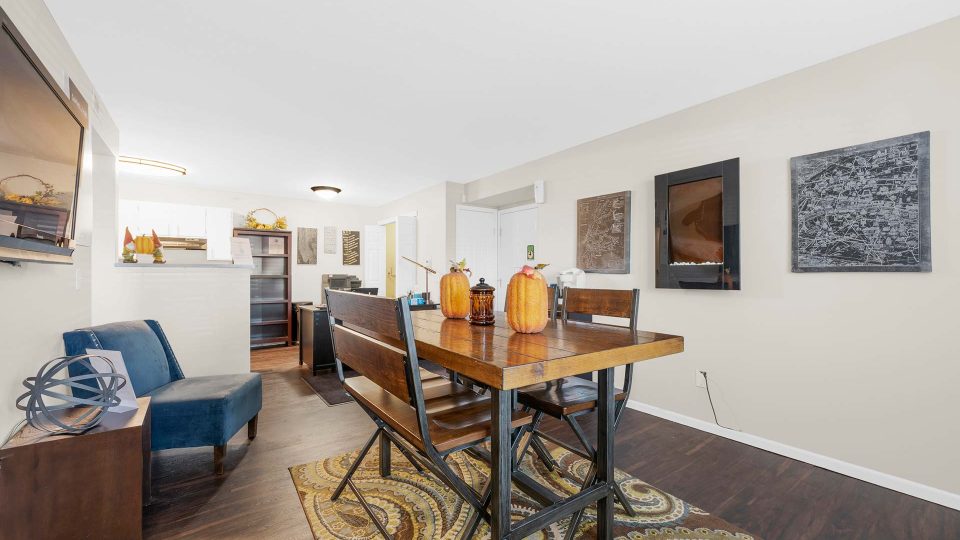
(151, 166)
(325, 192)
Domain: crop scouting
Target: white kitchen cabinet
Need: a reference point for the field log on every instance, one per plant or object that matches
(180, 220)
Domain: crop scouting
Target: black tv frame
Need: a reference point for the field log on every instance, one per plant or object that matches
(724, 276)
(29, 250)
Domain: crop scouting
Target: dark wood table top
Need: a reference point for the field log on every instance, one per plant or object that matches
(497, 356)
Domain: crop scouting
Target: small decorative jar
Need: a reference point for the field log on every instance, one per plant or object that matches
(481, 303)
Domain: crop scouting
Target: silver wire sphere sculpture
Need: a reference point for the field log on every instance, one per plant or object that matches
(52, 391)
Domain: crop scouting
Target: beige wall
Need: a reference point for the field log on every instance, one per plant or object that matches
(861, 367)
(40, 302)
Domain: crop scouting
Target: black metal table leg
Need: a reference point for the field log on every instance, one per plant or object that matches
(384, 455)
(605, 447)
(501, 462)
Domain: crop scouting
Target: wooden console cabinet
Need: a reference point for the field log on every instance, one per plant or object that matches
(92, 485)
(316, 349)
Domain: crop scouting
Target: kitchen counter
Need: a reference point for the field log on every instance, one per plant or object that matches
(204, 308)
(182, 265)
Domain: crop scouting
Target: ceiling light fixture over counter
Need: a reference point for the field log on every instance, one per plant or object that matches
(325, 192)
(151, 166)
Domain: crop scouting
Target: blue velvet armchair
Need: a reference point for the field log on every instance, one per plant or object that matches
(185, 411)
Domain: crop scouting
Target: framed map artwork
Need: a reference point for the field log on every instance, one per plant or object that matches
(603, 234)
(863, 208)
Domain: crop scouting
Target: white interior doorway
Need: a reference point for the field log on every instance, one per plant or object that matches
(518, 231)
(374, 257)
(495, 243)
(385, 245)
(477, 242)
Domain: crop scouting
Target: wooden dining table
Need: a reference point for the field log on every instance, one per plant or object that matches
(505, 361)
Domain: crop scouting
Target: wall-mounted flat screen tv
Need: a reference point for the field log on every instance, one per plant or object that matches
(41, 146)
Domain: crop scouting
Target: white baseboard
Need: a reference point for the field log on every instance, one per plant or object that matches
(909, 487)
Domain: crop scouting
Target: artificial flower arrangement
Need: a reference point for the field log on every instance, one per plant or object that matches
(280, 222)
(45, 196)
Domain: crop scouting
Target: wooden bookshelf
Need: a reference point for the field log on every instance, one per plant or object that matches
(270, 287)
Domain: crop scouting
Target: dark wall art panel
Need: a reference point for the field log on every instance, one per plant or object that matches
(696, 222)
(351, 247)
(863, 208)
(698, 227)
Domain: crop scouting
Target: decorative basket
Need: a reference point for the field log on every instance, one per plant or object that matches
(279, 222)
(45, 196)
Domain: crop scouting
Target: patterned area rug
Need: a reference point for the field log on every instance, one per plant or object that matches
(416, 506)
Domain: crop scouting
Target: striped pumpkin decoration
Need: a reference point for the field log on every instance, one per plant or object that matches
(455, 294)
(144, 244)
(527, 301)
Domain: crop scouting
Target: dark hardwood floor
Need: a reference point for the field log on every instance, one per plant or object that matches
(769, 495)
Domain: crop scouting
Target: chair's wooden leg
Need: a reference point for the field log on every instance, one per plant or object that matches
(252, 427)
(218, 453)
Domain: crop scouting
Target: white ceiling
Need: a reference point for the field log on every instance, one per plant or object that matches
(385, 98)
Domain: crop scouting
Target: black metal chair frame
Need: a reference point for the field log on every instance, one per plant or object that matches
(589, 452)
(430, 459)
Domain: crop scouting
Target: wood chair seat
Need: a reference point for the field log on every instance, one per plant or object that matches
(456, 414)
(564, 396)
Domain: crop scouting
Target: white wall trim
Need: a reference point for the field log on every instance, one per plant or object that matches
(519, 208)
(902, 485)
(477, 208)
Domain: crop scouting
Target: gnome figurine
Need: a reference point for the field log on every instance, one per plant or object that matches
(129, 253)
(157, 249)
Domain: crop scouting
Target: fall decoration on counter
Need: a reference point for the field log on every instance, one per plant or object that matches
(45, 196)
(481, 304)
(527, 300)
(158, 257)
(455, 291)
(143, 244)
(129, 253)
(279, 222)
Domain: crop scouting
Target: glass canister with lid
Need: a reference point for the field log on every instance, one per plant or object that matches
(481, 303)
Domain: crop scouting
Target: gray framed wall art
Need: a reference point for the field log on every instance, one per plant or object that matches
(863, 208)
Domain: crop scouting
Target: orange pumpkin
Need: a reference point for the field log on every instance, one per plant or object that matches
(527, 301)
(455, 294)
(144, 244)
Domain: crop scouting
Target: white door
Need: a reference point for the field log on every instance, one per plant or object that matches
(374, 262)
(477, 242)
(518, 229)
(407, 247)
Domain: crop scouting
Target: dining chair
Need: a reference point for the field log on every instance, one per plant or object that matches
(426, 419)
(568, 398)
(553, 298)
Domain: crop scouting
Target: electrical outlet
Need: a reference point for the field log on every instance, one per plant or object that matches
(700, 378)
